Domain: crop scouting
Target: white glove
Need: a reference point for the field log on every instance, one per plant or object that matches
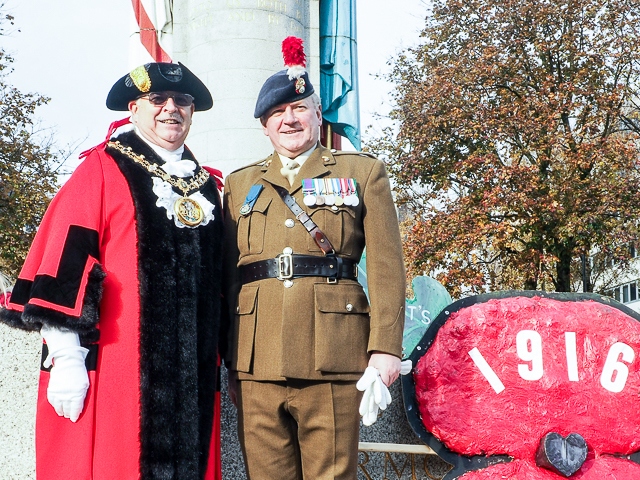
(376, 395)
(405, 367)
(68, 381)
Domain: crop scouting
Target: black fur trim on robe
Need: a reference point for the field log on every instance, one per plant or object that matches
(179, 273)
(34, 316)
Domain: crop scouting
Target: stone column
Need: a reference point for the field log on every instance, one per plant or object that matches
(233, 46)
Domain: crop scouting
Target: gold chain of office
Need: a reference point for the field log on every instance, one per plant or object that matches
(189, 211)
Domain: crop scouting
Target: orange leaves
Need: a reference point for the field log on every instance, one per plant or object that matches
(27, 170)
(518, 139)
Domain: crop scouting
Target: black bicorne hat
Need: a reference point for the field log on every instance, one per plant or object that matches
(158, 77)
(288, 85)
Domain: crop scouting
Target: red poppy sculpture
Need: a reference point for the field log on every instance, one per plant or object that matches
(530, 385)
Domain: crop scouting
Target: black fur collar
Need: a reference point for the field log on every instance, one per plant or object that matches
(179, 272)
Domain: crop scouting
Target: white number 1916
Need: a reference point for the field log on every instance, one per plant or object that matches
(529, 349)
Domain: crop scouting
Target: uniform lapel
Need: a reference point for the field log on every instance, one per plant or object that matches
(313, 167)
(272, 172)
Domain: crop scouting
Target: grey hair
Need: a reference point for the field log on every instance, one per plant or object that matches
(316, 100)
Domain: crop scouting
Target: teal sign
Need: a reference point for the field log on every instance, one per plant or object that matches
(430, 298)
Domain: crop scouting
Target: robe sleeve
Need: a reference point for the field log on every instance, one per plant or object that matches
(61, 280)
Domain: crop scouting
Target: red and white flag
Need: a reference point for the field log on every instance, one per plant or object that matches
(152, 31)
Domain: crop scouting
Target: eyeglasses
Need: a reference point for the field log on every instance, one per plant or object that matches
(160, 99)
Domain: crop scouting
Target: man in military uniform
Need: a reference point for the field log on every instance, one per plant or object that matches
(302, 329)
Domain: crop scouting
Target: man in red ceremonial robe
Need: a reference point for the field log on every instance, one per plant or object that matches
(123, 281)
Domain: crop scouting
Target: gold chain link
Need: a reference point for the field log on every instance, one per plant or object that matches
(185, 186)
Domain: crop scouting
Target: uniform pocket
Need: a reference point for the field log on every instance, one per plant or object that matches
(251, 228)
(341, 328)
(245, 328)
(337, 223)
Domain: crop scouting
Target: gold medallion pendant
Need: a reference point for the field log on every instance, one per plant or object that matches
(189, 211)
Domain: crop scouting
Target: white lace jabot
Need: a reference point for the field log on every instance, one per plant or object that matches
(175, 165)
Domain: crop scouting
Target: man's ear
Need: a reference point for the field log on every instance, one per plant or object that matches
(133, 107)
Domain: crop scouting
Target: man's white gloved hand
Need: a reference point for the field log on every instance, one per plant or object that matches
(368, 406)
(376, 395)
(69, 380)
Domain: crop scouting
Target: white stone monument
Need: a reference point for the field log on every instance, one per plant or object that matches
(234, 46)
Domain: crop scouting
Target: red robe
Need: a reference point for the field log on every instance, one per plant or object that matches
(144, 296)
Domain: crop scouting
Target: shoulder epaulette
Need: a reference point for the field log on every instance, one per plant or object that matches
(259, 163)
(360, 154)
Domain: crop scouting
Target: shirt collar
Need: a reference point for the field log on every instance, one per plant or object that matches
(300, 158)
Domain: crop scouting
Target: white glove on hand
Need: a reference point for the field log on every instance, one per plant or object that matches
(405, 367)
(376, 395)
(69, 380)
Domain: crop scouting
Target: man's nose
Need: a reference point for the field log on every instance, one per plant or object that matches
(170, 105)
(289, 116)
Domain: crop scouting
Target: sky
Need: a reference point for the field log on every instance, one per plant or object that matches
(74, 50)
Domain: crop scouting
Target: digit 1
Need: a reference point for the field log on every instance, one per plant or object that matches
(572, 356)
(486, 370)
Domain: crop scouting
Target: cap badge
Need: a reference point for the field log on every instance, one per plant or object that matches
(140, 78)
(300, 86)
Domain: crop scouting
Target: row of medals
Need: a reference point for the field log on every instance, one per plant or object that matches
(330, 191)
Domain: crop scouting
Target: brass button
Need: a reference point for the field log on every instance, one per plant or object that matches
(349, 307)
(288, 283)
(289, 223)
(287, 250)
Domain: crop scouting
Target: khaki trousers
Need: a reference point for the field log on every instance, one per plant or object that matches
(299, 429)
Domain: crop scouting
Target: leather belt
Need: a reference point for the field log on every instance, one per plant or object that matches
(289, 265)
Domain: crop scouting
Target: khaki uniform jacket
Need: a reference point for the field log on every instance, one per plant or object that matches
(313, 330)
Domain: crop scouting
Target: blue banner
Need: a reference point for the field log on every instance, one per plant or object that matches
(339, 68)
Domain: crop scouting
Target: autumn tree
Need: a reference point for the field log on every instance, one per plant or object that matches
(515, 147)
(28, 168)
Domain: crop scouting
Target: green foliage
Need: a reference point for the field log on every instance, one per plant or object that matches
(516, 140)
(27, 170)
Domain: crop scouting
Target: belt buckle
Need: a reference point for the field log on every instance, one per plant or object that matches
(285, 266)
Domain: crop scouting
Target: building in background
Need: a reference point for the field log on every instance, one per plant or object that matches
(623, 284)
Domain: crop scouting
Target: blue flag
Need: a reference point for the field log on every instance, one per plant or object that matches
(339, 68)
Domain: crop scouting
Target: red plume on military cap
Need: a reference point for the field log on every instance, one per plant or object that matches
(288, 85)
(294, 57)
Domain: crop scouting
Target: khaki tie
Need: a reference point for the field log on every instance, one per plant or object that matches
(290, 170)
